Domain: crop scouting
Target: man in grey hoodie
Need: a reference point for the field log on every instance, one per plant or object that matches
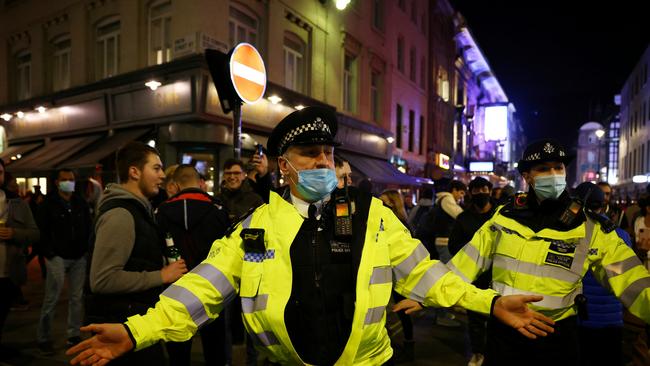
(127, 272)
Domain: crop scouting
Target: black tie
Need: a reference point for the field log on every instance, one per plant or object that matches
(311, 212)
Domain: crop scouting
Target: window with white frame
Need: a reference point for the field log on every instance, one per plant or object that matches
(108, 48)
(23, 75)
(61, 63)
(294, 62)
(243, 27)
(375, 96)
(350, 77)
(160, 40)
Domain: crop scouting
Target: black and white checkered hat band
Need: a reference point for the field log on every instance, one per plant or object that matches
(317, 125)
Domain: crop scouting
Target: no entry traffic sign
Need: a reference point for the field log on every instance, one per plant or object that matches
(247, 72)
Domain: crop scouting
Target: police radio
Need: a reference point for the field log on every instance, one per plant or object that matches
(343, 213)
(572, 211)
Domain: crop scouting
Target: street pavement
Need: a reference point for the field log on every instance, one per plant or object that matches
(434, 345)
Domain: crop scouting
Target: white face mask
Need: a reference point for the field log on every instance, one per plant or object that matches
(66, 186)
(549, 186)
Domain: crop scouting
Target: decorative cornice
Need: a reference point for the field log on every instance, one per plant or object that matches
(56, 20)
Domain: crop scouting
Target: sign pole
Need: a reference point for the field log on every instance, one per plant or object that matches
(236, 130)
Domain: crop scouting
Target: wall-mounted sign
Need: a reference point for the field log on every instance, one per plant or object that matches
(442, 160)
(481, 166)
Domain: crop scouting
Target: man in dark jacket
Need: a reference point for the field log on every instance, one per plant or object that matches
(64, 221)
(239, 192)
(467, 223)
(195, 220)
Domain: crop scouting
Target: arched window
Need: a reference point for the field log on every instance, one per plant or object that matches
(295, 62)
(160, 40)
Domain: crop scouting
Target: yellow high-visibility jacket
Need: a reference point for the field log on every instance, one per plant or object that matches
(552, 263)
(390, 257)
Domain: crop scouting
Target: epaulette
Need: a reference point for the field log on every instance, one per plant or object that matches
(606, 225)
(520, 201)
(241, 218)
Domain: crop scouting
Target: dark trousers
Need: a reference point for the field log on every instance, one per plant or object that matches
(7, 291)
(476, 329)
(216, 341)
(405, 319)
(601, 346)
(506, 346)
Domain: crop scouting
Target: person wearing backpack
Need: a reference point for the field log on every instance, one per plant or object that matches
(195, 220)
(423, 206)
(127, 272)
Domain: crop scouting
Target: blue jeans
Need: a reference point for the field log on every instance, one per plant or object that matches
(57, 268)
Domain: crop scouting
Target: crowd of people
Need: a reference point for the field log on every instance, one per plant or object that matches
(533, 272)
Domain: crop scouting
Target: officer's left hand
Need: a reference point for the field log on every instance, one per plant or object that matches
(409, 306)
(513, 310)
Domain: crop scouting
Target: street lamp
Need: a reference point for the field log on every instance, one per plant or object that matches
(600, 133)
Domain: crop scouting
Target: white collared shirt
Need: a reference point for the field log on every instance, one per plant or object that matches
(303, 206)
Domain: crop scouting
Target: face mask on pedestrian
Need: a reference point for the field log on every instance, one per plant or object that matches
(549, 186)
(66, 186)
(480, 200)
(314, 184)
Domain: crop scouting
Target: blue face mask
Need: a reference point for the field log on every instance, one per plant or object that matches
(549, 186)
(66, 186)
(314, 184)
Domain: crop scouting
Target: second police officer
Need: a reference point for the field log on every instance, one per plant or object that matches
(314, 277)
(543, 243)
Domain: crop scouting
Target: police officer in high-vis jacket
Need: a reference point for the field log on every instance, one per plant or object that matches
(543, 243)
(314, 269)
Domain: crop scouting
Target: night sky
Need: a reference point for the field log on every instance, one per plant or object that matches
(560, 66)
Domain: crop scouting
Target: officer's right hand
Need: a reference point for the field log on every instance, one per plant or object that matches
(109, 342)
(173, 271)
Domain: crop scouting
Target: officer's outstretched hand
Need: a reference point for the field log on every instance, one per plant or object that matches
(513, 310)
(109, 342)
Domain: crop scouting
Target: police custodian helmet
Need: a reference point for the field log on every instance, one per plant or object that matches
(308, 126)
(542, 151)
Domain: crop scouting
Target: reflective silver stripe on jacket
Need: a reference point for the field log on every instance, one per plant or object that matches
(582, 250)
(381, 275)
(253, 304)
(217, 279)
(633, 291)
(406, 266)
(374, 315)
(618, 268)
(549, 302)
(514, 265)
(192, 303)
(430, 277)
(247, 222)
(455, 269)
(267, 338)
(482, 262)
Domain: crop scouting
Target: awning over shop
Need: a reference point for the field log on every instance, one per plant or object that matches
(50, 155)
(381, 171)
(16, 150)
(97, 152)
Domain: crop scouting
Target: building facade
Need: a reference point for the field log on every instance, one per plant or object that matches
(634, 148)
(87, 65)
(591, 159)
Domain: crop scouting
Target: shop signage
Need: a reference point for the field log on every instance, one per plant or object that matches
(442, 160)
